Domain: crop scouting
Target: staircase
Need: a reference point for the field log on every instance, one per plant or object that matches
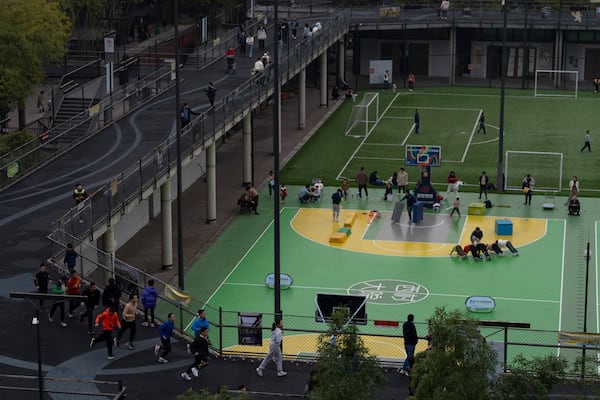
(69, 120)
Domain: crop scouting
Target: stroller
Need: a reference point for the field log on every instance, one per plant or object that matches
(230, 65)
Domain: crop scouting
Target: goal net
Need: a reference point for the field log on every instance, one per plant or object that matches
(556, 83)
(364, 117)
(545, 168)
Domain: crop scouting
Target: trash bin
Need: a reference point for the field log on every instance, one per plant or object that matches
(417, 211)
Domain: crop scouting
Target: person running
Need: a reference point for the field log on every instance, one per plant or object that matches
(128, 322)
(107, 320)
(58, 288)
(199, 349)
(200, 322)
(91, 302)
(149, 297)
(73, 288)
(587, 141)
(274, 350)
(165, 331)
(211, 92)
(70, 260)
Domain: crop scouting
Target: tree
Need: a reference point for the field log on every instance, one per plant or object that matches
(345, 370)
(459, 364)
(222, 394)
(33, 33)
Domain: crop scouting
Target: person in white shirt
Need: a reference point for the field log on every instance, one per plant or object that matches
(249, 44)
(274, 350)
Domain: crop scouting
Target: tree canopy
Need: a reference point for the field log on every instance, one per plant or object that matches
(33, 33)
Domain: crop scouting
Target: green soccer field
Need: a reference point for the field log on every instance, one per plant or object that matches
(449, 119)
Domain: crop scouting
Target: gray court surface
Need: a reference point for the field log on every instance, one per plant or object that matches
(433, 228)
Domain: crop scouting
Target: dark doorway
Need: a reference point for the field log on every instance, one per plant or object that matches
(393, 51)
(592, 64)
(418, 58)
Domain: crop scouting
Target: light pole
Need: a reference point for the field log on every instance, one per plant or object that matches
(500, 173)
(178, 146)
(276, 133)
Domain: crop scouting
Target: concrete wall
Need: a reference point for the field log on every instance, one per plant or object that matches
(439, 59)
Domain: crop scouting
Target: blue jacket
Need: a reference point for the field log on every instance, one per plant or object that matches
(166, 329)
(198, 324)
(149, 296)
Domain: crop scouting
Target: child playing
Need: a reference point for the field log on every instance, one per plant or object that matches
(455, 207)
(283, 192)
(271, 183)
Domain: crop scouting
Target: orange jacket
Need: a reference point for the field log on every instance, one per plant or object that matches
(108, 320)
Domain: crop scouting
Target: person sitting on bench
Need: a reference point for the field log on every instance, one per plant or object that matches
(574, 205)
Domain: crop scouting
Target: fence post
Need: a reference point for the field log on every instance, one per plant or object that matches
(180, 318)
(505, 361)
(141, 179)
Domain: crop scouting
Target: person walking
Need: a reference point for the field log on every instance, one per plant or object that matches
(58, 288)
(41, 280)
(199, 349)
(402, 180)
(128, 322)
(252, 194)
(411, 81)
(79, 195)
(149, 298)
(386, 79)
(274, 350)
(417, 121)
(484, 181)
(211, 92)
(481, 123)
(70, 259)
(455, 207)
(336, 199)
(73, 288)
(294, 25)
(271, 183)
(410, 202)
(112, 295)
(444, 7)
(587, 140)
(527, 185)
(185, 115)
(250, 44)
(92, 299)
(107, 320)
(200, 322)
(362, 179)
(409, 331)
(41, 101)
(165, 330)
(261, 35)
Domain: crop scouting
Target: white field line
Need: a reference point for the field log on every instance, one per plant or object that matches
(338, 177)
(412, 128)
(562, 280)
(462, 160)
(441, 108)
(596, 276)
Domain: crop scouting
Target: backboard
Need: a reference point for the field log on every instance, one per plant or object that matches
(423, 155)
(327, 304)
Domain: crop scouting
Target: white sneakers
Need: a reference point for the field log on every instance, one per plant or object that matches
(162, 360)
(259, 371)
(185, 376)
(195, 372)
(281, 373)
(156, 349)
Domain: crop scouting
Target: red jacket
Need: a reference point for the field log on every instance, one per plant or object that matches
(108, 320)
(74, 286)
(452, 179)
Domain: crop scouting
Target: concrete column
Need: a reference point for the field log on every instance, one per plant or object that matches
(247, 149)
(211, 183)
(302, 99)
(323, 85)
(341, 73)
(166, 218)
(452, 66)
(109, 246)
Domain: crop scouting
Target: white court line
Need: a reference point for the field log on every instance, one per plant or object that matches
(378, 158)
(440, 108)
(496, 96)
(382, 144)
(562, 280)
(364, 140)
(596, 277)
(397, 117)
(412, 128)
(471, 137)
(391, 292)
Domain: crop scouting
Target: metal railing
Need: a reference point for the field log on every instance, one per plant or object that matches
(302, 331)
(105, 206)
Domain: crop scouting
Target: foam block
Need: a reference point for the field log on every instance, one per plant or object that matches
(350, 218)
(338, 237)
(476, 208)
(345, 230)
(504, 227)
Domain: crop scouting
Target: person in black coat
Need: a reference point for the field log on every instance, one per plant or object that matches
(199, 349)
(112, 295)
(409, 331)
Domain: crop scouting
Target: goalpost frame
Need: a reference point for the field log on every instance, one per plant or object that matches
(365, 105)
(506, 165)
(556, 82)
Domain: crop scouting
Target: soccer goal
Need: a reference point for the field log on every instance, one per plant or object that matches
(364, 117)
(556, 83)
(545, 168)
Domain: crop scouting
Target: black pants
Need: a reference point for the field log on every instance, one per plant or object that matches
(61, 306)
(73, 304)
(89, 314)
(106, 336)
(132, 330)
(455, 209)
(360, 189)
(528, 198)
(166, 347)
(483, 189)
(151, 310)
(199, 363)
(586, 145)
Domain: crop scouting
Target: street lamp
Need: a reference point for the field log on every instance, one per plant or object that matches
(500, 173)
